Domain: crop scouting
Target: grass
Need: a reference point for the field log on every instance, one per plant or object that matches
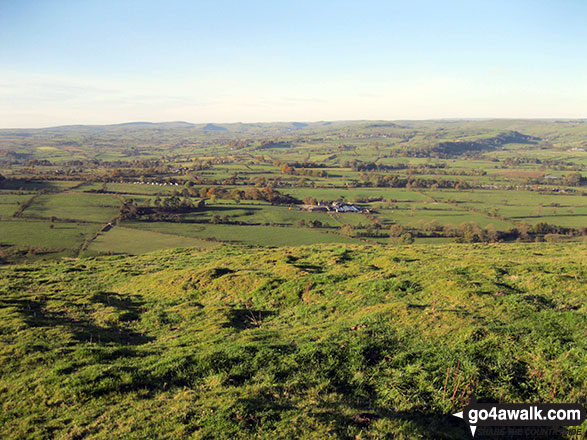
(7, 209)
(77, 206)
(140, 189)
(134, 241)
(8, 197)
(39, 234)
(251, 235)
(25, 185)
(318, 342)
(522, 206)
(351, 194)
(9, 202)
(414, 213)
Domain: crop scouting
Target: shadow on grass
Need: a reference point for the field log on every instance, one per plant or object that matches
(128, 307)
(36, 315)
(312, 268)
(242, 319)
(422, 424)
(259, 413)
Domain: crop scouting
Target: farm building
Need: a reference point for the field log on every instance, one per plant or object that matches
(331, 207)
(314, 208)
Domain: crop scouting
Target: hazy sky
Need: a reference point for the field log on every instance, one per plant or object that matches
(83, 61)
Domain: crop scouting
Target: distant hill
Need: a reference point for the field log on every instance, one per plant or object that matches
(434, 138)
(455, 148)
(137, 124)
(213, 127)
(173, 124)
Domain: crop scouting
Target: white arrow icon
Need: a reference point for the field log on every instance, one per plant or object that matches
(460, 416)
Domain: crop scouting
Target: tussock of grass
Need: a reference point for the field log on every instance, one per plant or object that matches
(333, 341)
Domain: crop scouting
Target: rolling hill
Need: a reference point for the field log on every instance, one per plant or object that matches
(331, 341)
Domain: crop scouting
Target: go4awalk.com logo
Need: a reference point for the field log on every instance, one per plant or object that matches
(521, 415)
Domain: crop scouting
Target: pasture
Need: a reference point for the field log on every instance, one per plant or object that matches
(121, 240)
(252, 235)
(88, 207)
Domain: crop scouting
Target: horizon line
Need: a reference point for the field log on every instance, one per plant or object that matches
(582, 119)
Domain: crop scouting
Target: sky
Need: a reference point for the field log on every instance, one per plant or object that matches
(113, 61)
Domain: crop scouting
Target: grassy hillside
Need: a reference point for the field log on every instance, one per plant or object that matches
(331, 341)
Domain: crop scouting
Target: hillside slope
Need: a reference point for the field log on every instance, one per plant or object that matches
(310, 342)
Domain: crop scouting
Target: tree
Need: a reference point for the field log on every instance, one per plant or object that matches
(347, 230)
(552, 238)
(315, 224)
(235, 195)
(491, 232)
(574, 179)
(396, 231)
(405, 238)
(470, 232)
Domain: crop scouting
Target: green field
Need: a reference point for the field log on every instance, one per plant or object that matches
(8, 209)
(414, 213)
(523, 206)
(134, 241)
(351, 194)
(64, 236)
(77, 206)
(252, 235)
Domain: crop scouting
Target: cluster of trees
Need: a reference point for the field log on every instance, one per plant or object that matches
(574, 179)
(39, 162)
(358, 165)
(309, 172)
(238, 144)
(466, 232)
(471, 232)
(366, 199)
(571, 179)
(394, 181)
(300, 169)
(267, 194)
(168, 208)
(520, 160)
(311, 223)
(270, 144)
(304, 164)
